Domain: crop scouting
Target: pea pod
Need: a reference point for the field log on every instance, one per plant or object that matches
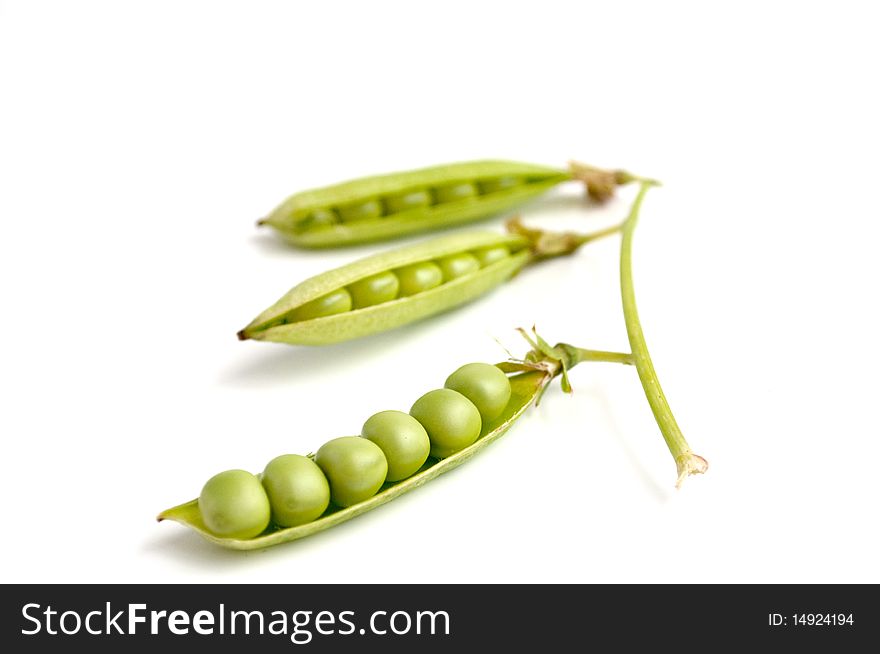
(433, 276)
(400, 452)
(387, 206)
(528, 377)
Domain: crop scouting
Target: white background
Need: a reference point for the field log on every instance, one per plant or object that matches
(140, 141)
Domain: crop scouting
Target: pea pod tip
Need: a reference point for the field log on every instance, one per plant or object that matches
(243, 335)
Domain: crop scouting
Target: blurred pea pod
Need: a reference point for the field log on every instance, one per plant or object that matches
(383, 207)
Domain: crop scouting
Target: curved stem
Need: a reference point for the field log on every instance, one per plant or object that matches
(687, 463)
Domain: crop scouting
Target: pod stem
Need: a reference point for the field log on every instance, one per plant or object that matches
(580, 355)
(687, 463)
(600, 183)
(557, 359)
(547, 245)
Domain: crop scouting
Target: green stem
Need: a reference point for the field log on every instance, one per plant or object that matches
(687, 463)
(600, 233)
(604, 357)
(576, 355)
(547, 245)
(559, 359)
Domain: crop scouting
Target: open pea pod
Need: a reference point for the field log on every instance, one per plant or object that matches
(393, 288)
(396, 204)
(528, 379)
(524, 389)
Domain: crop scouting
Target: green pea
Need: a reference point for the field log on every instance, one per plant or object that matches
(233, 504)
(374, 290)
(453, 192)
(403, 440)
(360, 211)
(451, 420)
(419, 277)
(491, 254)
(407, 201)
(297, 489)
(338, 301)
(458, 265)
(355, 468)
(483, 384)
(499, 184)
(322, 217)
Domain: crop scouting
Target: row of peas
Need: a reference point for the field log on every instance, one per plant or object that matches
(399, 282)
(294, 489)
(412, 199)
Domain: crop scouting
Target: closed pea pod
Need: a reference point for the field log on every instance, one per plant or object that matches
(382, 207)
